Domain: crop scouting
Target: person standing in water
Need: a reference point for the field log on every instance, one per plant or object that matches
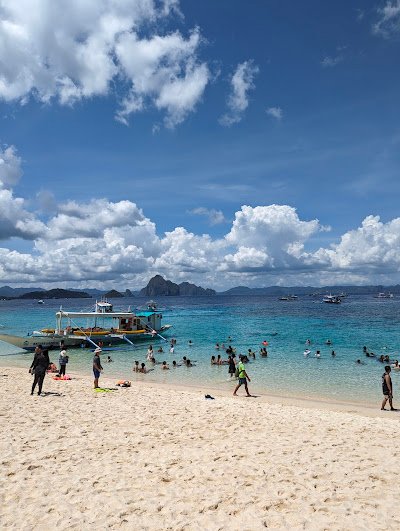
(387, 388)
(243, 377)
(38, 368)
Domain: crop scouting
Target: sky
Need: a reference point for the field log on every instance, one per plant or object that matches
(222, 143)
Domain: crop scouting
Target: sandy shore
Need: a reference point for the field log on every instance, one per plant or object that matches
(152, 457)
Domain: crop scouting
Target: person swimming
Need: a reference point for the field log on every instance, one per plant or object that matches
(164, 366)
(306, 352)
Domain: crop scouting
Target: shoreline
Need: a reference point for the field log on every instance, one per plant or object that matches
(319, 403)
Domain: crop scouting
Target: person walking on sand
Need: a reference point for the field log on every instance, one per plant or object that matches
(97, 368)
(38, 368)
(243, 377)
(387, 388)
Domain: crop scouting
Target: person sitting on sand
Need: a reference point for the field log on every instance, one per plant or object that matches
(52, 368)
(136, 367)
(164, 366)
(387, 388)
(243, 377)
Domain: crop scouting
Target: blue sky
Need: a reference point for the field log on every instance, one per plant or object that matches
(311, 126)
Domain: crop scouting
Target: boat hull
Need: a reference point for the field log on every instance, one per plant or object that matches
(52, 341)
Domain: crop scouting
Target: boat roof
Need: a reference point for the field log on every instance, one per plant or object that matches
(63, 313)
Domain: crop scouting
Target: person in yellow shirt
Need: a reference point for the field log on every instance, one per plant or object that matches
(243, 377)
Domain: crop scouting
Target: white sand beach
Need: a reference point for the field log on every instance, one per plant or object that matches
(153, 457)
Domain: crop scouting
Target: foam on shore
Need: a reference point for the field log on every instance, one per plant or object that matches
(153, 457)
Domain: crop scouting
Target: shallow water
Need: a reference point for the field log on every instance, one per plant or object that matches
(358, 321)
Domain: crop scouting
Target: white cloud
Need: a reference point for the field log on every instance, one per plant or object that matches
(329, 61)
(113, 244)
(242, 82)
(10, 167)
(71, 50)
(389, 19)
(214, 216)
(275, 112)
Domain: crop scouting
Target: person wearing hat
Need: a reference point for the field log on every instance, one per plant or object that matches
(97, 368)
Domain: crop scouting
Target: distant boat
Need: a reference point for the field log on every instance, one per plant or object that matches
(331, 299)
(384, 295)
(288, 298)
(40, 301)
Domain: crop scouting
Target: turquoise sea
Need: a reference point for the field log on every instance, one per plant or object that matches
(358, 321)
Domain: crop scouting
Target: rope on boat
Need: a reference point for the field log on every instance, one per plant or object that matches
(84, 333)
(146, 326)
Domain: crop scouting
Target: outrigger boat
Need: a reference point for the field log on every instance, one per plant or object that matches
(102, 325)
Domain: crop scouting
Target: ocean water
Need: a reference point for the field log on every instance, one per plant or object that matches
(358, 321)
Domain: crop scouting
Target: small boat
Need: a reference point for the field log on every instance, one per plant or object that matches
(384, 295)
(288, 298)
(101, 324)
(40, 301)
(332, 299)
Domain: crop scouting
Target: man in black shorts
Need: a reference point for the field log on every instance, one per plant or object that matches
(387, 388)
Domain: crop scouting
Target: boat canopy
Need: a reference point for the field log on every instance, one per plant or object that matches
(117, 315)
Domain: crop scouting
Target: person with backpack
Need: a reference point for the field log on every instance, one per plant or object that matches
(243, 377)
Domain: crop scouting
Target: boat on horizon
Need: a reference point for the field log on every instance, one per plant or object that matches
(102, 325)
(288, 298)
(332, 299)
(40, 301)
(384, 295)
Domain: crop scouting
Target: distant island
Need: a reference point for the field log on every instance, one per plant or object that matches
(55, 294)
(158, 286)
